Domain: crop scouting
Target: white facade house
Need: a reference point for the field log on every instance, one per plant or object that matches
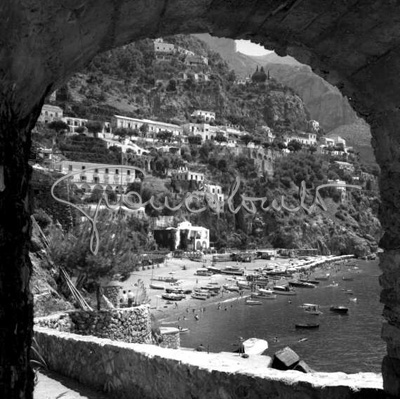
(154, 127)
(206, 131)
(197, 237)
(89, 176)
(50, 113)
(185, 175)
(206, 115)
(345, 166)
(303, 138)
(161, 47)
(74, 123)
(215, 189)
(126, 145)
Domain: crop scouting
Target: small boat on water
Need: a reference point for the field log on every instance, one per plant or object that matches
(339, 309)
(311, 308)
(252, 302)
(306, 280)
(283, 290)
(300, 284)
(322, 278)
(307, 325)
(259, 295)
(183, 330)
(347, 278)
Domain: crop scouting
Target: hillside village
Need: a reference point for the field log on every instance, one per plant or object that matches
(204, 151)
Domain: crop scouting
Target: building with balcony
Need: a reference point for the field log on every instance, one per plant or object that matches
(215, 189)
(153, 127)
(184, 174)
(205, 115)
(185, 237)
(90, 176)
(50, 113)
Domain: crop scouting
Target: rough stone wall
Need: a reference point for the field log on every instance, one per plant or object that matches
(129, 371)
(112, 292)
(127, 325)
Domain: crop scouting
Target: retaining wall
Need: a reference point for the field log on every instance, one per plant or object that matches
(150, 372)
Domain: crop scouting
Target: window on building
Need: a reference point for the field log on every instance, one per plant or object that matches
(83, 167)
(83, 178)
(116, 171)
(96, 171)
(96, 179)
(128, 172)
(70, 167)
(106, 170)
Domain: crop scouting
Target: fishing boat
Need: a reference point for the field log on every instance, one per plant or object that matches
(259, 295)
(157, 286)
(200, 295)
(307, 325)
(311, 308)
(232, 270)
(183, 330)
(300, 284)
(231, 287)
(173, 297)
(166, 279)
(306, 280)
(174, 290)
(253, 302)
(339, 309)
(243, 284)
(322, 278)
(347, 278)
(255, 346)
(283, 290)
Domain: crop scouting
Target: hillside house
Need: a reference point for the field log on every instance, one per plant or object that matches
(196, 60)
(206, 131)
(215, 189)
(345, 166)
(185, 237)
(303, 138)
(205, 115)
(50, 113)
(73, 123)
(185, 175)
(90, 176)
(154, 127)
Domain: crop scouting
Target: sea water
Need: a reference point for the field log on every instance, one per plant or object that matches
(349, 343)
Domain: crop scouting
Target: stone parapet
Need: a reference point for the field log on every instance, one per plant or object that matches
(126, 324)
(149, 372)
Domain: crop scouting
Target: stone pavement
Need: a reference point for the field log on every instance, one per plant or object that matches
(55, 386)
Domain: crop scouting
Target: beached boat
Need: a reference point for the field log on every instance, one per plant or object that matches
(347, 278)
(300, 284)
(203, 272)
(173, 297)
(307, 325)
(211, 287)
(157, 286)
(255, 346)
(213, 270)
(246, 285)
(232, 270)
(252, 302)
(231, 287)
(283, 290)
(166, 279)
(339, 309)
(200, 295)
(171, 290)
(311, 308)
(259, 295)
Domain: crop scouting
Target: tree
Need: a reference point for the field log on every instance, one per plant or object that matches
(195, 140)
(246, 139)
(58, 126)
(144, 129)
(294, 145)
(220, 137)
(80, 129)
(94, 127)
(164, 135)
(171, 85)
(121, 132)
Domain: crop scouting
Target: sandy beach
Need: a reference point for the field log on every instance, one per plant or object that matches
(184, 270)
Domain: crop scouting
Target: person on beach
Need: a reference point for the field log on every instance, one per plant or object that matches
(241, 349)
(200, 348)
(196, 317)
(131, 298)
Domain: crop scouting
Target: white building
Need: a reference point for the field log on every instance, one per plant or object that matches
(215, 189)
(206, 131)
(161, 47)
(185, 175)
(197, 238)
(345, 166)
(126, 145)
(74, 123)
(154, 127)
(89, 176)
(206, 115)
(303, 138)
(50, 113)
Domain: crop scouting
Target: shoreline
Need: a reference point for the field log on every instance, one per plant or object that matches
(184, 270)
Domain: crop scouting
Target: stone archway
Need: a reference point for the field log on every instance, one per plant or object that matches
(352, 44)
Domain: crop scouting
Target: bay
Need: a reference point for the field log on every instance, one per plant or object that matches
(349, 343)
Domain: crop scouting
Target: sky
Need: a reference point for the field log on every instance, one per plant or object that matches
(249, 48)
